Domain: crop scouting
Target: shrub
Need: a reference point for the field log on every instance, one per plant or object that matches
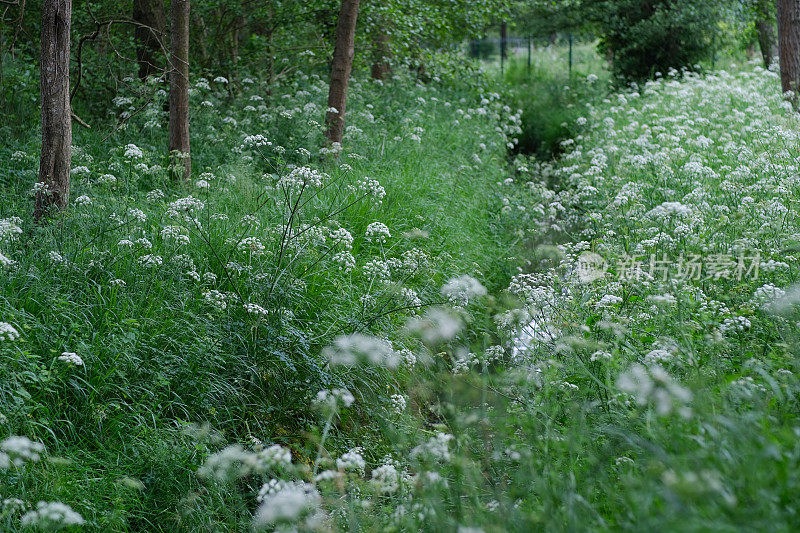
(643, 38)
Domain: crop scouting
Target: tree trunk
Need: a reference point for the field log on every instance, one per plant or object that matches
(503, 41)
(766, 41)
(239, 24)
(380, 63)
(179, 90)
(149, 36)
(55, 160)
(789, 43)
(343, 53)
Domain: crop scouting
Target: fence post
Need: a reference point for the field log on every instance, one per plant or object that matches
(503, 44)
(570, 55)
(529, 54)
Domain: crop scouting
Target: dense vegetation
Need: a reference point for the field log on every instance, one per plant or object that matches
(512, 298)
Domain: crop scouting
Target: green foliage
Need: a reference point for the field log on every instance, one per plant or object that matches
(550, 100)
(151, 295)
(643, 38)
(543, 18)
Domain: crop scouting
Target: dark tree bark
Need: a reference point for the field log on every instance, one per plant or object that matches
(503, 41)
(55, 160)
(767, 41)
(179, 90)
(789, 43)
(149, 34)
(382, 53)
(341, 66)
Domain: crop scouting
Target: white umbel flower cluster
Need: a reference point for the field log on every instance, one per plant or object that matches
(71, 358)
(462, 289)
(17, 451)
(8, 332)
(352, 461)
(300, 178)
(377, 232)
(289, 505)
(50, 516)
(350, 350)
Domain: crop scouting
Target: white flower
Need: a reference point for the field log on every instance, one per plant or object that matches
(10, 229)
(151, 260)
(6, 262)
(408, 357)
(386, 478)
(232, 462)
(345, 260)
(462, 289)
(174, 233)
(654, 385)
(71, 358)
(377, 232)
(133, 152)
(274, 456)
(377, 269)
(350, 350)
(8, 332)
(608, 300)
(137, 214)
(254, 309)
(154, 195)
(342, 237)
(331, 399)
(289, 505)
(273, 486)
(188, 204)
(51, 516)
(373, 189)
(352, 460)
(437, 325)
(328, 475)
(398, 403)
(255, 141)
(600, 355)
(670, 209)
(252, 245)
(215, 299)
(21, 450)
(766, 295)
(83, 200)
(300, 178)
(55, 257)
(437, 448)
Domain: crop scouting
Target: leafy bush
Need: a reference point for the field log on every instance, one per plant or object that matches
(643, 38)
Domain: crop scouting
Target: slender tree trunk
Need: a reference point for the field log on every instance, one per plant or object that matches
(789, 43)
(380, 63)
(503, 41)
(343, 53)
(150, 35)
(54, 164)
(750, 51)
(239, 25)
(767, 41)
(179, 90)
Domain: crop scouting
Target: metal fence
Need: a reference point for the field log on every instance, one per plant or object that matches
(503, 49)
